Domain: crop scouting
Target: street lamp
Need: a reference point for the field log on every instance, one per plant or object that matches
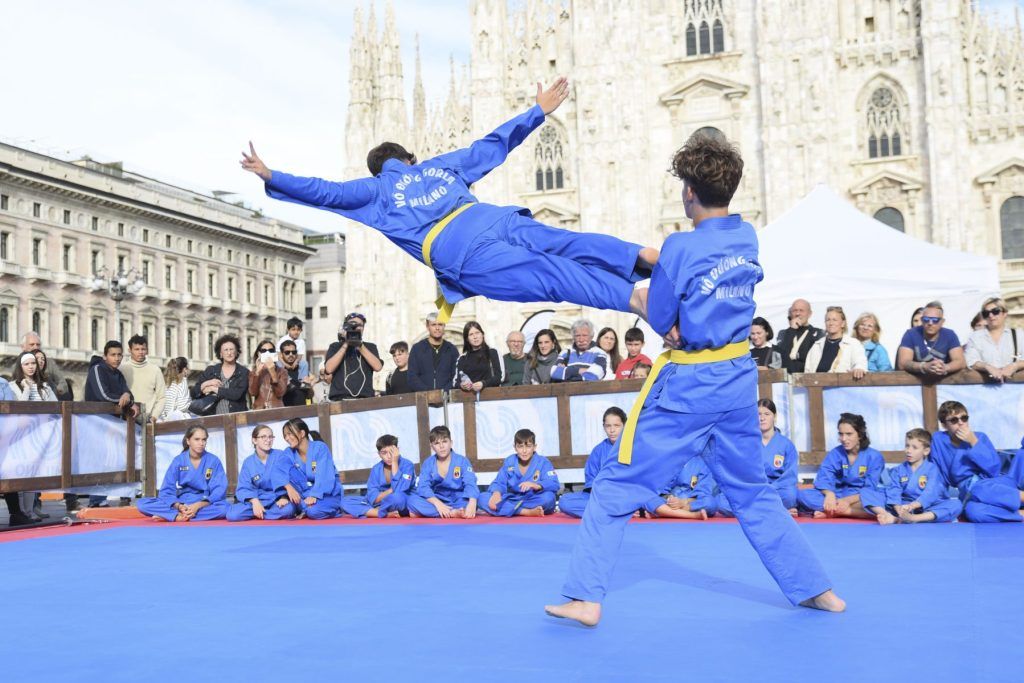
(118, 285)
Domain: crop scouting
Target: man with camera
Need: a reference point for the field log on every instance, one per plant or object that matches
(351, 362)
(300, 382)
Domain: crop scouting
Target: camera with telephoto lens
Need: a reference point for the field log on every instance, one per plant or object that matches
(353, 333)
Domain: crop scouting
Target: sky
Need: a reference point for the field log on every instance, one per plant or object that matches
(176, 89)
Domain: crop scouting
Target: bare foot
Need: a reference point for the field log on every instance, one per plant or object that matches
(413, 514)
(885, 518)
(827, 602)
(704, 515)
(532, 512)
(648, 256)
(459, 512)
(793, 512)
(180, 518)
(373, 512)
(819, 515)
(638, 302)
(394, 513)
(586, 613)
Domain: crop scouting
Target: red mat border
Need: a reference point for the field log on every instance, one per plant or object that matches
(558, 518)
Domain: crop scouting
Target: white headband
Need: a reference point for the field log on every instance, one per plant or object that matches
(27, 354)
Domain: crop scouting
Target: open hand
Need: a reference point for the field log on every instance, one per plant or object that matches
(252, 163)
(548, 100)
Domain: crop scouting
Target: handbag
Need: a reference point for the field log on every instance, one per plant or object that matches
(204, 405)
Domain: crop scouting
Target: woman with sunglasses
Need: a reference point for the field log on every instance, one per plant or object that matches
(267, 380)
(995, 351)
(261, 492)
(969, 461)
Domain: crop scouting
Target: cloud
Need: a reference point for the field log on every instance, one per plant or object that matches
(176, 89)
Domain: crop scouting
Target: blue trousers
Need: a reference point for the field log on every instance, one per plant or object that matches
(573, 504)
(519, 259)
(510, 504)
(994, 500)
(787, 495)
(242, 512)
(814, 500)
(325, 508)
(394, 502)
(730, 444)
(424, 508)
(158, 507)
(354, 506)
(945, 510)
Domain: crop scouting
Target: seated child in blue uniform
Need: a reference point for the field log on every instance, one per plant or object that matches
(969, 461)
(388, 487)
(781, 460)
(447, 484)
(692, 494)
(261, 492)
(526, 484)
(917, 491)
(195, 486)
(847, 469)
(501, 252)
(313, 483)
(700, 399)
(573, 504)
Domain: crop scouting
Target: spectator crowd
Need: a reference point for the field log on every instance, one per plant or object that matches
(278, 373)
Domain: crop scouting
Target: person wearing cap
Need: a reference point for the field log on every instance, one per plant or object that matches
(350, 362)
(475, 248)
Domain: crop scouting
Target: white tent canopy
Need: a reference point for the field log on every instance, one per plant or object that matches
(826, 251)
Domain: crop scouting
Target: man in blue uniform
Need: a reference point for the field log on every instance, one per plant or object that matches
(699, 400)
(447, 484)
(499, 252)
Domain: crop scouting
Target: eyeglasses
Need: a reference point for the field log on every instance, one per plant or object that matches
(992, 312)
(289, 353)
(267, 349)
(957, 419)
(930, 320)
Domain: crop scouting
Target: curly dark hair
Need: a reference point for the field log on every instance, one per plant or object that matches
(711, 166)
(224, 339)
(859, 425)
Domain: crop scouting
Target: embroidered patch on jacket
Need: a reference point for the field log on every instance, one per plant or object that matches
(922, 481)
(862, 470)
(209, 473)
(779, 460)
(458, 472)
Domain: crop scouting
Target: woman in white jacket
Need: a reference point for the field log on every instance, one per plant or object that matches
(837, 351)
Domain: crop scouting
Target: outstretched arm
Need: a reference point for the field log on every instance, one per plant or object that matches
(486, 154)
(350, 196)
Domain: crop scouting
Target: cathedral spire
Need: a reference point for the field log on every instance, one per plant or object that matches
(419, 99)
(359, 119)
(392, 115)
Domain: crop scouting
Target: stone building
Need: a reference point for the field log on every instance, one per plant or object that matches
(913, 110)
(208, 266)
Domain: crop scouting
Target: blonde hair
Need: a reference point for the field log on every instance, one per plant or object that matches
(993, 300)
(842, 314)
(861, 318)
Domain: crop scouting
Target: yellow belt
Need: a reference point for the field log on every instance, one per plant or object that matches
(727, 352)
(444, 309)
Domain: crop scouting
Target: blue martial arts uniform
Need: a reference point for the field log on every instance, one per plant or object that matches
(574, 503)
(377, 483)
(781, 465)
(263, 481)
(499, 252)
(184, 483)
(693, 481)
(975, 472)
(836, 474)
(539, 471)
(317, 477)
(455, 489)
(704, 282)
(925, 485)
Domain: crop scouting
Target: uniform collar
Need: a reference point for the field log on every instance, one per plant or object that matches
(393, 165)
(732, 221)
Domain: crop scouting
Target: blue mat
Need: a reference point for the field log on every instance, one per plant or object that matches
(464, 603)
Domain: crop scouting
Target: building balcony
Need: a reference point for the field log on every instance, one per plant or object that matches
(1011, 273)
(36, 274)
(10, 268)
(67, 280)
(167, 296)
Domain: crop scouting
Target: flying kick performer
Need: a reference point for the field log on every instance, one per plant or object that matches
(499, 252)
